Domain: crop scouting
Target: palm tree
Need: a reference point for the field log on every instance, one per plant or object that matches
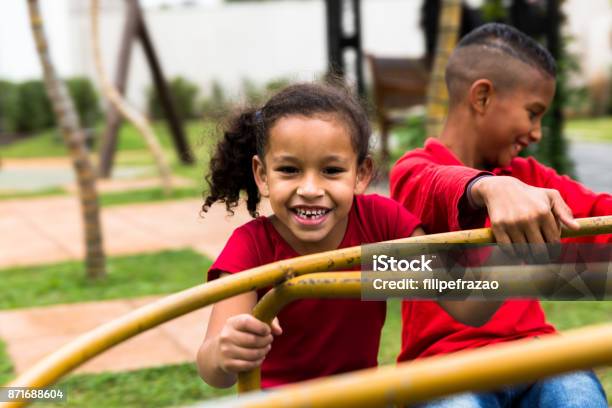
(437, 95)
(74, 139)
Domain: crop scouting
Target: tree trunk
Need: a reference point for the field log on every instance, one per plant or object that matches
(132, 115)
(437, 94)
(74, 139)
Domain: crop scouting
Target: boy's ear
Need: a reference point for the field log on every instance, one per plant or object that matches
(364, 175)
(480, 95)
(259, 172)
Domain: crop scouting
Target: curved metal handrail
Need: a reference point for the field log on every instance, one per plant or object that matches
(483, 369)
(316, 285)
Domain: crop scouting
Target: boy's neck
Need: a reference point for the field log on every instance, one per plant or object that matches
(460, 138)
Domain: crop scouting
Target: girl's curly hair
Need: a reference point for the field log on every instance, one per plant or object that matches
(230, 169)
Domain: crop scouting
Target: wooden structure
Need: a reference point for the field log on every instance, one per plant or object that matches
(135, 28)
(398, 84)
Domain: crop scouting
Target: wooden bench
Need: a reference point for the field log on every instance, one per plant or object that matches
(399, 84)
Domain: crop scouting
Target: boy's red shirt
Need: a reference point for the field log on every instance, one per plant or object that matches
(320, 337)
(430, 182)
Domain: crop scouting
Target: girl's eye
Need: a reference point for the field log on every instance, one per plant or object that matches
(287, 169)
(533, 115)
(333, 170)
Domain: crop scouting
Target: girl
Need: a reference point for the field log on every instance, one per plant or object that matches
(306, 151)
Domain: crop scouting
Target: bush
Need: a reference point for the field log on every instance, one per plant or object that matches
(216, 106)
(184, 94)
(8, 107)
(33, 107)
(85, 100)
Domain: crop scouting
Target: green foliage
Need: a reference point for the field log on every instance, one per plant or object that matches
(184, 94)
(8, 107)
(216, 106)
(409, 136)
(34, 110)
(128, 277)
(85, 100)
(494, 10)
(25, 107)
(256, 95)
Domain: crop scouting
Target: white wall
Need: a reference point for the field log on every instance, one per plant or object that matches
(230, 42)
(18, 59)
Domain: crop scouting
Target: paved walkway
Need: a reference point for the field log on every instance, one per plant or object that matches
(44, 230)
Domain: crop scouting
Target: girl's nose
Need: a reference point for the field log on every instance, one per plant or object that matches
(309, 188)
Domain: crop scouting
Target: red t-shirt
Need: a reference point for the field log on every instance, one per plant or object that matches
(320, 336)
(431, 182)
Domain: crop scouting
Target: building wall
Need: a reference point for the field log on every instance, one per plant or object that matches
(229, 42)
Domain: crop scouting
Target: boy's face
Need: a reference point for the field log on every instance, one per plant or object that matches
(513, 119)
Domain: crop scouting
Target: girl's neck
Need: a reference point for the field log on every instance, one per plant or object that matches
(329, 243)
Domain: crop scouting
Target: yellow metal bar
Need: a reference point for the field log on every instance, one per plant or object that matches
(334, 285)
(92, 343)
(484, 369)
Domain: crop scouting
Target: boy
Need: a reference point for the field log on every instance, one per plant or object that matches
(500, 83)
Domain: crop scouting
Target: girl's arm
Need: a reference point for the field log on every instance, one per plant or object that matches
(235, 341)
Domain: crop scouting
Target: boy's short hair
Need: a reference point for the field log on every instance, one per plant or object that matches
(496, 52)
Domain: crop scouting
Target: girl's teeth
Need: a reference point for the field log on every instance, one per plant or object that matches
(310, 213)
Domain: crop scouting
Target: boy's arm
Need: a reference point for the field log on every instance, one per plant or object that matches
(435, 194)
(583, 201)
(520, 213)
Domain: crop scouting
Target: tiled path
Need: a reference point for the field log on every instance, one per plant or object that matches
(44, 230)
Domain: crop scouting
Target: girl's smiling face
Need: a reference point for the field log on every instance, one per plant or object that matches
(310, 175)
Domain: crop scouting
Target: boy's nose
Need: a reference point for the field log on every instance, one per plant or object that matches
(536, 133)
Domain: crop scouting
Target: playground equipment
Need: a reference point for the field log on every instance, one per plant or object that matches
(489, 368)
(89, 345)
(118, 103)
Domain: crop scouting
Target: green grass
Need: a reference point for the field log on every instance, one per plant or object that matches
(6, 365)
(147, 196)
(52, 191)
(154, 387)
(131, 151)
(49, 143)
(592, 129)
(129, 276)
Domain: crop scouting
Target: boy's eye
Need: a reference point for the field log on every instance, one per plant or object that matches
(287, 169)
(533, 114)
(333, 170)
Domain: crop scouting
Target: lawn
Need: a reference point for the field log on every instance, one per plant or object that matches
(131, 152)
(594, 130)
